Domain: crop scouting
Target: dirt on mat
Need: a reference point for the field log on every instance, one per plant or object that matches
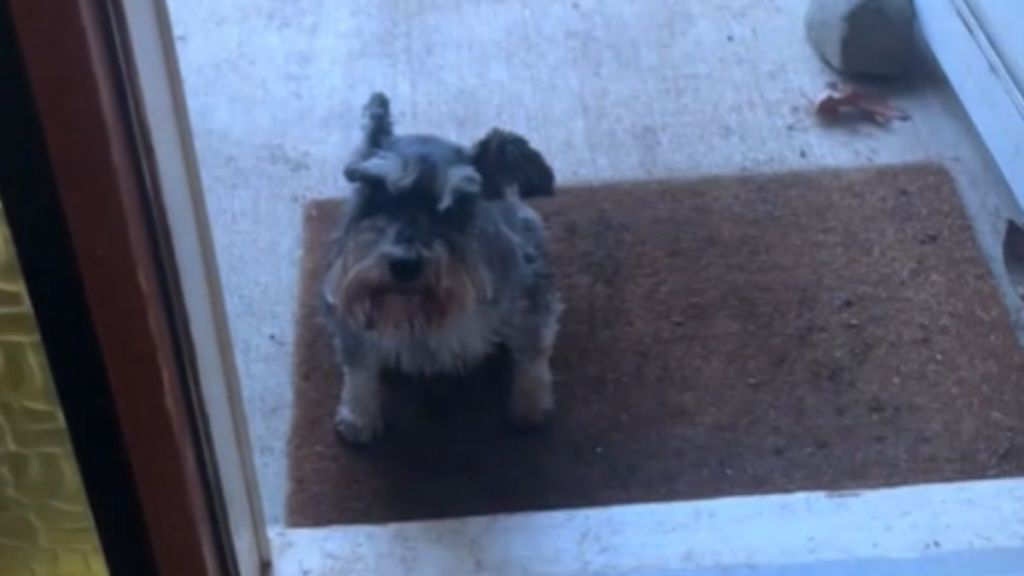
(828, 330)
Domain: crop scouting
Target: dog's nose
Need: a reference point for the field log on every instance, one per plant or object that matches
(405, 268)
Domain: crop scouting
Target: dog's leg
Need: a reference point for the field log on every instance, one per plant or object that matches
(533, 401)
(358, 418)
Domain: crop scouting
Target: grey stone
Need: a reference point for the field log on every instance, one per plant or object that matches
(863, 37)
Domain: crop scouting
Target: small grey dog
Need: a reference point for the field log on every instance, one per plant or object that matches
(438, 261)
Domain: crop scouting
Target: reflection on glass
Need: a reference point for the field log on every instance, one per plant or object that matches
(46, 527)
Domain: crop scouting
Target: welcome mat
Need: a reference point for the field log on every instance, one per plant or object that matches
(828, 330)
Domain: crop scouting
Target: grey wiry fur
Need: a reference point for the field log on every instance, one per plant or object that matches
(437, 262)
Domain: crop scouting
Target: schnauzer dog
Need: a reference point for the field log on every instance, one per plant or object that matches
(438, 261)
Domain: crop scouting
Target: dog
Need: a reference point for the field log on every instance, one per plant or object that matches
(438, 261)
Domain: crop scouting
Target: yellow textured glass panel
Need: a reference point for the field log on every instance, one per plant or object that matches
(46, 526)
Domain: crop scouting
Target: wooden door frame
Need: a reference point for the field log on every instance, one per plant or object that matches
(161, 118)
(76, 65)
(50, 271)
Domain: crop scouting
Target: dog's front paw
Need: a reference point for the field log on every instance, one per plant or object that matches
(529, 416)
(355, 428)
(532, 404)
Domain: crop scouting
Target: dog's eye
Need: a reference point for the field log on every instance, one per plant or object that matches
(376, 200)
(459, 214)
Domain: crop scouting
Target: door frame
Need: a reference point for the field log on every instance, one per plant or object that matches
(50, 271)
(126, 184)
(143, 29)
(988, 92)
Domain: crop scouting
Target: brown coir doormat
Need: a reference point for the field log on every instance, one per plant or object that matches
(829, 330)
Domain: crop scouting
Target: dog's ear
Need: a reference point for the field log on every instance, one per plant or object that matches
(367, 163)
(506, 162)
(377, 126)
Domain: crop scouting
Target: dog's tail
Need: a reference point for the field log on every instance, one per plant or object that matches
(508, 164)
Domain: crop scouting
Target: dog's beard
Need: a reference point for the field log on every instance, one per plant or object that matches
(370, 300)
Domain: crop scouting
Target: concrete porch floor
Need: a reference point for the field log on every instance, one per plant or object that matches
(607, 91)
